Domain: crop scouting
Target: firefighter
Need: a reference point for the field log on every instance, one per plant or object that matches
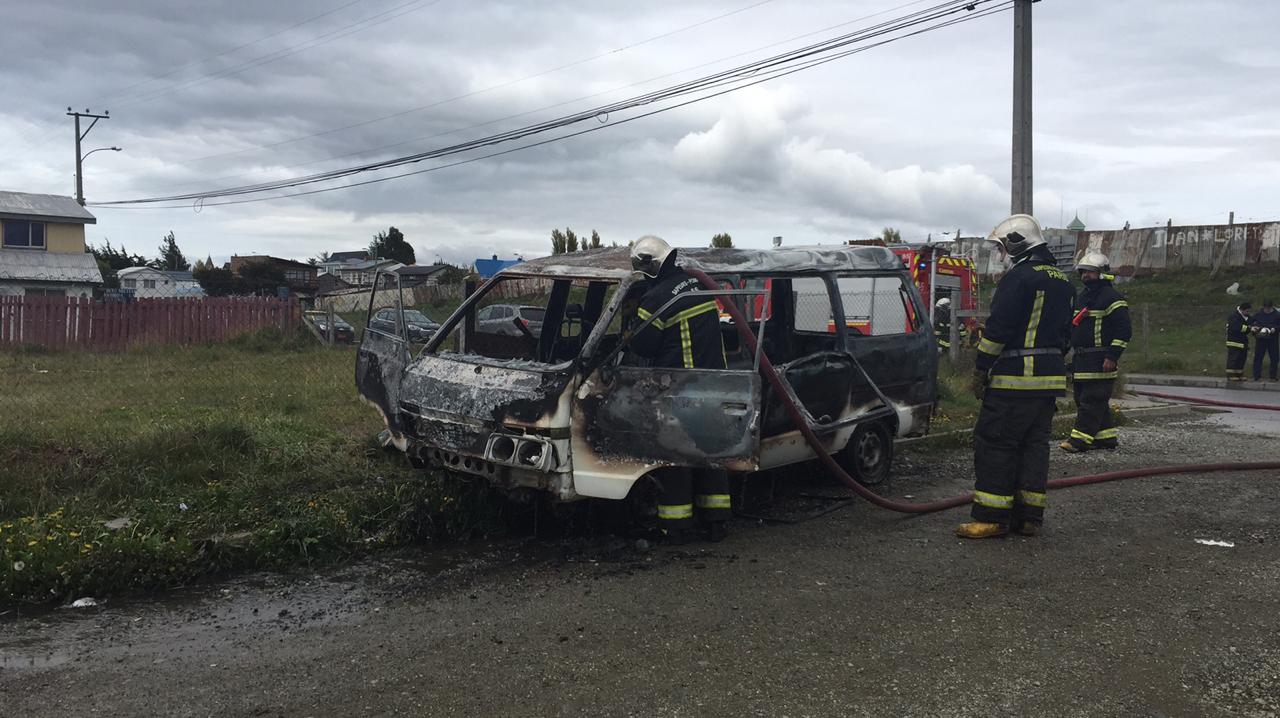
(1099, 335)
(684, 335)
(1265, 326)
(1238, 341)
(1020, 373)
(942, 323)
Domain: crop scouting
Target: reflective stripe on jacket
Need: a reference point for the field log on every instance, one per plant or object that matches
(1101, 325)
(1031, 309)
(685, 335)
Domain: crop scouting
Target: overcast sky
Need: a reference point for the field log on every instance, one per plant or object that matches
(1145, 111)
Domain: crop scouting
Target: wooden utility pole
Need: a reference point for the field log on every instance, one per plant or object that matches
(1226, 246)
(80, 157)
(1023, 189)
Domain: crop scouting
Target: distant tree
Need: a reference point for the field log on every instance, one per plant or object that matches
(558, 241)
(319, 259)
(570, 240)
(112, 260)
(452, 274)
(595, 242)
(891, 236)
(216, 281)
(722, 241)
(261, 278)
(170, 259)
(391, 245)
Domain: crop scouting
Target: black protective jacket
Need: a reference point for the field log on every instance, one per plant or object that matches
(686, 334)
(1101, 329)
(1265, 320)
(1028, 332)
(1237, 330)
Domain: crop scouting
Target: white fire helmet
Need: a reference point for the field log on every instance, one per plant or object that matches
(1018, 234)
(649, 253)
(1094, 262)
(943, 303)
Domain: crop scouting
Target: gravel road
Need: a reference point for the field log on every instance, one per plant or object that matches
(1115, 610)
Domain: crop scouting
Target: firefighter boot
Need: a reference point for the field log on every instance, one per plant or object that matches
(1072, 447)
(1027, 528)
(980, 530)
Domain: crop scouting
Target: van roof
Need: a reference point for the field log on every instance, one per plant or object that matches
(615, 262)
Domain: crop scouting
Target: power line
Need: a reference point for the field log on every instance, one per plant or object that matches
(723, 83)
(474, 93)
(526, 113)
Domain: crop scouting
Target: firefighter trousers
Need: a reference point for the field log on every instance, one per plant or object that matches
(1235, 362)
(1095, 428)
(686, 494)
(1269, 346)
(1011, 459)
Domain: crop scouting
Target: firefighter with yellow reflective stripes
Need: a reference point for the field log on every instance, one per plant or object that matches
(684, 334)
(1020, 372)
(1100, 333)
(1238, 341)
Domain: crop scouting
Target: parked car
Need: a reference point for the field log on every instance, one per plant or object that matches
(502, 318)
(421, 327)
(576, 415)
(343, 333)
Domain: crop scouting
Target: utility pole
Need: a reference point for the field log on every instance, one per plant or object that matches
(1022, 157)
(80, 136)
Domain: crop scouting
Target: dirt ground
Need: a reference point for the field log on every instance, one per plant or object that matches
(1115, 610)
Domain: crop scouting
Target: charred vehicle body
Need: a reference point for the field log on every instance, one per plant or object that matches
(569, 411)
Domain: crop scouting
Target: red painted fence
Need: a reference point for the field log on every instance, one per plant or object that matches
(61, 322)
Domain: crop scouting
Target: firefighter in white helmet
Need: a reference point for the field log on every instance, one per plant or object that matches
(942, 323)
(684, 335)
(1020, 372)
(1100, 333)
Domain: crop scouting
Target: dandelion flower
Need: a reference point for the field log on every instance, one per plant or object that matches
(18, 565)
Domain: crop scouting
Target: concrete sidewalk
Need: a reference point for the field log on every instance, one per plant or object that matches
(1207, 382)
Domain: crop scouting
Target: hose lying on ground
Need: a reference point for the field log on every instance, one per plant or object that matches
(797, 417)
(1202, 400)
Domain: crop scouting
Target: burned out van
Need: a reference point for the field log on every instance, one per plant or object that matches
(562, 406)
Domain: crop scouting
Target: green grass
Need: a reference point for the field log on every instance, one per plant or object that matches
(253, 454)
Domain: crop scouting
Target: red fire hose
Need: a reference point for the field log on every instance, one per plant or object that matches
(797, 418)
(1210, 402)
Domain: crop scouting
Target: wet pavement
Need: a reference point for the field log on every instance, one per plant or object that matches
(1154, 597)
(1255, 422)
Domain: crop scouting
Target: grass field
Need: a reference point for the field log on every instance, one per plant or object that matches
(256, 454)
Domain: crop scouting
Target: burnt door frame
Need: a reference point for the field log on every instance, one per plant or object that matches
(382, 357)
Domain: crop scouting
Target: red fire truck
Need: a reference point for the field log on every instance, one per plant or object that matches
(937, 275)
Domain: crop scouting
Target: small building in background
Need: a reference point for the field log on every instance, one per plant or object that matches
(150, 283)
(337, 260)
(42, 249)
(362, 274)
(299, 277)
(330, 283)
(486, 268)
(414, 275)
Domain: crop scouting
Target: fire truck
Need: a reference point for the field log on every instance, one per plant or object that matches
(937, 275)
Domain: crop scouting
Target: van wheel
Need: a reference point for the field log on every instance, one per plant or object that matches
(868, 456)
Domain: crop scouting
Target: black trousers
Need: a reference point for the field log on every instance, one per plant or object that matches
(1011, 459)
(687, 494)
(1269, 346)
(1235, 361)
(1094, 424)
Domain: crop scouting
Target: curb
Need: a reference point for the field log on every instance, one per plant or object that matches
(1199, 382)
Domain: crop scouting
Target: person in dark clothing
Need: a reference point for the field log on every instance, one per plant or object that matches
(1265, 327)
(942, 324)
(1238, 341)
(680, 334)
(1100, 334)
(1019, 375)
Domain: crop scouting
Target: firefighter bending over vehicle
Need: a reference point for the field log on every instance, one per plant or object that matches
(1019, 375)
(1238, 341)
(684, 335)
(1100, 334)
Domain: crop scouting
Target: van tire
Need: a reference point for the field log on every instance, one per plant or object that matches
(868, 456)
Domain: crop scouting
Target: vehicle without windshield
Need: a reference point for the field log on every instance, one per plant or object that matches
(568, 410)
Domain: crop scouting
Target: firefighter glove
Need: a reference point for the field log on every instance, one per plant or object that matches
(978, 384)
(1108, 364)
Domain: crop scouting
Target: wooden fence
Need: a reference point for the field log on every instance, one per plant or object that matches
(68, 322)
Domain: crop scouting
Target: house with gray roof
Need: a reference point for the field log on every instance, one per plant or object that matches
(150, 283)
(42, 248)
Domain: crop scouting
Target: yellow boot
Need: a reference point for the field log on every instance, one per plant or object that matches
(981, 529)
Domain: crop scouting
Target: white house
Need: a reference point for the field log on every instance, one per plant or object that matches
(148, 283)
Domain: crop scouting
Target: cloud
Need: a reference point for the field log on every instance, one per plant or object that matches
(753, 147)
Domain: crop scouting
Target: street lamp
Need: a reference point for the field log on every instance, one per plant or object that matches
(80, 171)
